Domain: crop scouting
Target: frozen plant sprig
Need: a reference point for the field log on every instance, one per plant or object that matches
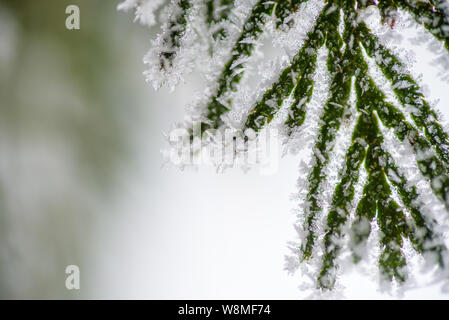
(387, 199)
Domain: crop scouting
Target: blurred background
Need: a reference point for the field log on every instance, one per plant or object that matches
(82, 183)
(81, 177)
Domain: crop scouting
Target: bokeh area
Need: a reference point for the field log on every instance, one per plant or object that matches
(69, 104)
(82, 180)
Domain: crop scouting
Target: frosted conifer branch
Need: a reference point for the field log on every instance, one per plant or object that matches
(390, 209)
(144, 10)
(217, 12)
(432, 14)
(341, 74)
(408, 92)
(163, 58)
(422, 231)
(234, 68)
(341, 205)
(295, 80)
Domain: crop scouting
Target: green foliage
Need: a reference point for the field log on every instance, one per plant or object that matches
(387, 199)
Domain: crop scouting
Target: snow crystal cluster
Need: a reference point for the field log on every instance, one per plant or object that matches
(144, 10)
